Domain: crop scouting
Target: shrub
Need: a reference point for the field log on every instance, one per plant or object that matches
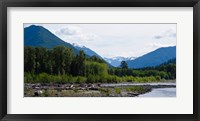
(28, 78)
(80, 80)
(43, 78)
(117, 90)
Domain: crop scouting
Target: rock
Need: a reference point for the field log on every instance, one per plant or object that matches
(70, 87)
(83, 85)
(44, 84)
(99, 85)
(81, 88)
(94, 88)
(37, 87)
(38, 92)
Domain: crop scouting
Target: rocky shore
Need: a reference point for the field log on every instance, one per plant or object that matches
(88, 90)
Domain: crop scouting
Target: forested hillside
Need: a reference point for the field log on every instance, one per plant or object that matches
(61, 65)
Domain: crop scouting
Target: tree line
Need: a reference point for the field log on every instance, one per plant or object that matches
(164, 71)
(61, 65)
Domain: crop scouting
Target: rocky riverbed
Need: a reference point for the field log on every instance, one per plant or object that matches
(89, 90)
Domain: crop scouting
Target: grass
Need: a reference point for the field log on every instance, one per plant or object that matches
(47, 78)
(138, 89)
(118, 90)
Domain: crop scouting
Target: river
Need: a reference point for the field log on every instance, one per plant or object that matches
(160, 92)
(166, 90)
(139, 84)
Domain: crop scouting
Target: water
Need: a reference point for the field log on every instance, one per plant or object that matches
(139, 84)
(156, 92)
(160, 92)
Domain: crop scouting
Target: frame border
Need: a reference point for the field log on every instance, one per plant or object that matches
(99, 3)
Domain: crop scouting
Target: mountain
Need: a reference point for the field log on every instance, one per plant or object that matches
(116, 61)
(171, 61)
(41, 37)
(154, 58)
(88, 51)
(38, 36)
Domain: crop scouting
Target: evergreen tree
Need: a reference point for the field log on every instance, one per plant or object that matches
(29, 59)
(124, 65)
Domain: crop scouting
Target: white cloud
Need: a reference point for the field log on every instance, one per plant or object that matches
(87, 36)
(75, 33)
(112, 40)
(69, 30)
(158, 45)
(170, 33)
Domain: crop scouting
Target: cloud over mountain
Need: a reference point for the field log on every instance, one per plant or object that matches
(69, 30)
(76, 33)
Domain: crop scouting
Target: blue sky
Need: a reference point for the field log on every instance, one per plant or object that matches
(111, 40)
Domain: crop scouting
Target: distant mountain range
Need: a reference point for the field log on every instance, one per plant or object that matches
(38, 36)
(116, 61)
(154, 58)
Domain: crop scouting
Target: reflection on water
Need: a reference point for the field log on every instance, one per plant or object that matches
(160, 92)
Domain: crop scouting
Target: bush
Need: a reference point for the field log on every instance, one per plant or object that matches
(90, 79)
(28, 78)
(43, 78)
(80, 80)
(117, 90)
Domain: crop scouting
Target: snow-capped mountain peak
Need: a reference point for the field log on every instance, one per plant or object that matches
(78, 45)
(116, 61)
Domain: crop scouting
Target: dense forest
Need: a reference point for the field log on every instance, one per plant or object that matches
(61, 65)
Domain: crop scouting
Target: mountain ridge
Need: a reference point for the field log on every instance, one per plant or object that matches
(39, 36)
(154, 58)
(87, 50)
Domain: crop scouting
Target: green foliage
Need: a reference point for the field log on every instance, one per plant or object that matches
(29, 59)
(60, 65)
(138, 89)
(43, 78)
(75, 90)
(117, 90)
(96, 59)
(78, 64)
(95, 68)
(162, 72)
(81, 80)
(124, 65)
(135, 89)
(28, 78)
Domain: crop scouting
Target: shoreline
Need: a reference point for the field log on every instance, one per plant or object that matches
(92, 90)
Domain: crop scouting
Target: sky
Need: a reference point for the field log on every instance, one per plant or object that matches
(113, 40)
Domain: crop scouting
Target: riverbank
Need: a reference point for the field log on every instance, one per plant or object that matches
(91, 90)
